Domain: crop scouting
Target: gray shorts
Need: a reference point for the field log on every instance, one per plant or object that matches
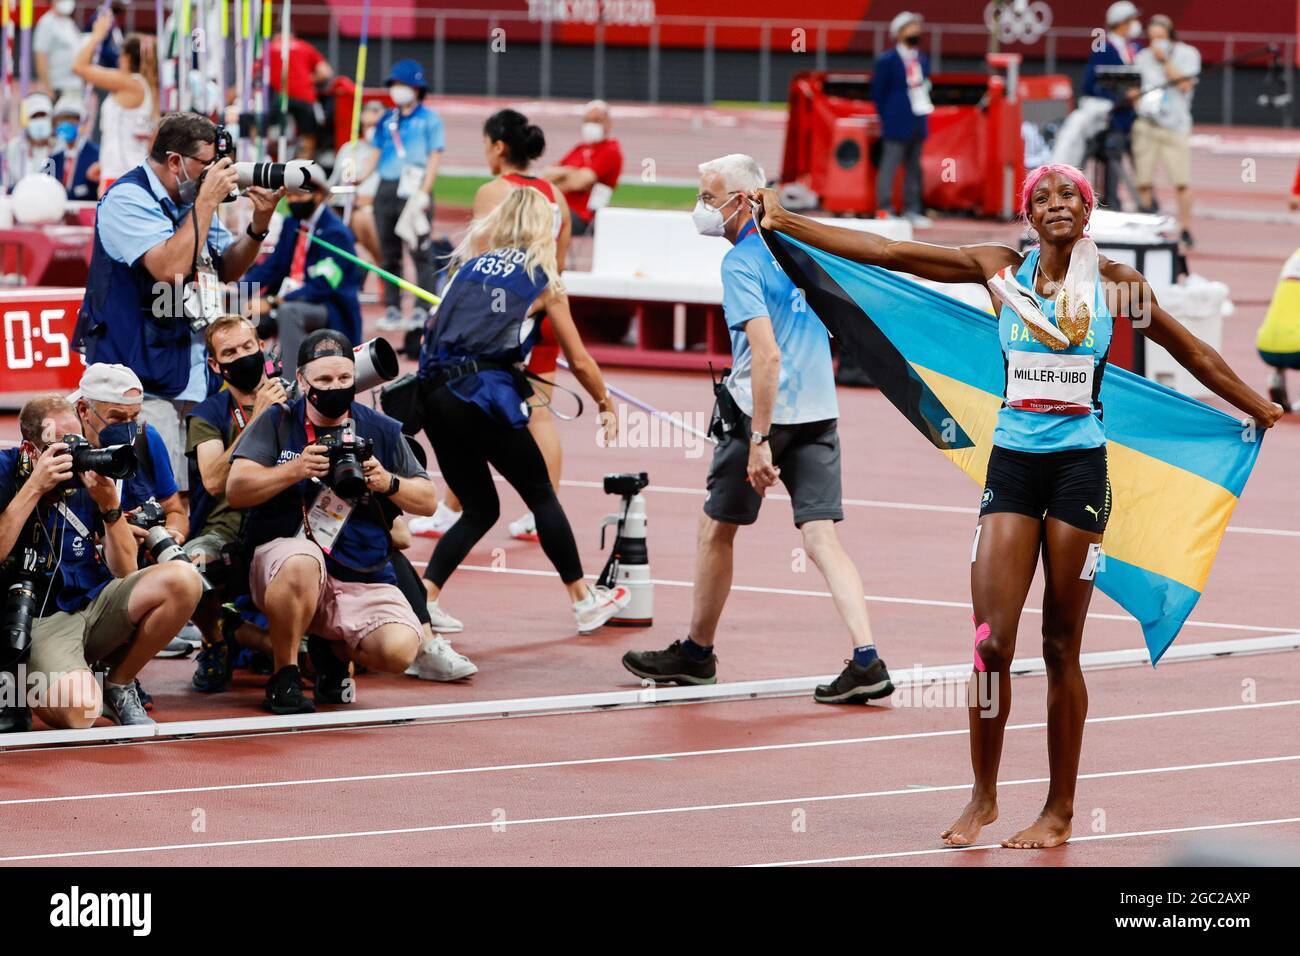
(167, 416)
(809, 458)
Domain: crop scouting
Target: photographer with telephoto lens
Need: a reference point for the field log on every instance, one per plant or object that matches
(69, 604)
(324, 477)
(160, 257)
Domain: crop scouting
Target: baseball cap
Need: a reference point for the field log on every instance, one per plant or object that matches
(323, 343)
(1117, 13)
(35, 103)
(109, 383)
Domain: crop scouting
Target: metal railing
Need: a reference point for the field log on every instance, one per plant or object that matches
(864, 39)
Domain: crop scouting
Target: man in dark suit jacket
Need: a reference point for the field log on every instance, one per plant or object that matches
(1123, 27)
(900, 90)
(303, 286)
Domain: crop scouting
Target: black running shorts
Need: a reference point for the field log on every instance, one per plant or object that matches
(1071, 486)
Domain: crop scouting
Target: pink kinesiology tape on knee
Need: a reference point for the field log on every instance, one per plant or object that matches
(981, 634)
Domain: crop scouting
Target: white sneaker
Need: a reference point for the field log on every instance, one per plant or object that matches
(525, 528)
(415, 320)
(441, 621)
(392, 320)
(600, 604)
(438, 660)
(435, 525)
(919, 220)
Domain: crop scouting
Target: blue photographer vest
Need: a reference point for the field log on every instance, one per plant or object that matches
(484, 316)
(361, 551)
(117, 322)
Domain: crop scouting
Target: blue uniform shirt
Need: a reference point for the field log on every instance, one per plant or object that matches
(753, 285)
(419, 134)
(1019, 429)
(131, 222)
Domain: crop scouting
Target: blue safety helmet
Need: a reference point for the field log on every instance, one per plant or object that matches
(408, 73)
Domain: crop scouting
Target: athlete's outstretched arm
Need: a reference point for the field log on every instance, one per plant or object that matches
(1202, 360)
(974, 263)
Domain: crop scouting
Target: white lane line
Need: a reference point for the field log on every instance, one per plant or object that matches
(1164, 831)
(623, 814)
(628, 758)
(880, 599)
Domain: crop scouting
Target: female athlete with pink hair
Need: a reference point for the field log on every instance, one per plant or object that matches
(1047, 490)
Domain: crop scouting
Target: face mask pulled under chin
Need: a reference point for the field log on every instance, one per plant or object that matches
(332, 402)
(709, 220)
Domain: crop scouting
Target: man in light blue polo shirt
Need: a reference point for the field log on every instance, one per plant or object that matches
(156, 233)
(409, 142)
(776, 420)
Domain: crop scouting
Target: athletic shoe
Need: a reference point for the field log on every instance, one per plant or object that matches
(441, 622)
(145, 697)
(856, 684)
(122, 705)
(436, 524)
(672, 666)
(415, 321)
(177, 647)
(392, 320)
(438, 660)
(334, 682)
(918, 220)
(600, 604)
(1277, 390)
(284, 693)
(525, 528)
(213, 667)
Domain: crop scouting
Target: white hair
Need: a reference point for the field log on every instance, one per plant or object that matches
(739, 172)
(903, 19)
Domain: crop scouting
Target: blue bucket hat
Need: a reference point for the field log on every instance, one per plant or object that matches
(408, 73)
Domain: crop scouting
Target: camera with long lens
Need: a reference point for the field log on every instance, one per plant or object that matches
(347, 451)
(111, 461)
(148, 515)
(297, 175)
(376, 364)
(16, 621)
(626, 485)
(162, 547)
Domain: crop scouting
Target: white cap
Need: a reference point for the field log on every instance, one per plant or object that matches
(36, 103)
(68, 103)
(109, 383)
(903, 19)
(1117, 13)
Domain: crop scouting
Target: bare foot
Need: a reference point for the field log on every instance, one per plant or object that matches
(978, 814)
(1050, 829)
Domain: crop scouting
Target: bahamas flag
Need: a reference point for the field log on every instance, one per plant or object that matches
(1177, 466)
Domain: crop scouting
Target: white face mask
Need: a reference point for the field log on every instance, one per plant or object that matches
(708, 219)
(39, 128)
(66, 7)
(593, 132)
(1135, 30)
(402, 95)
(1161, 45)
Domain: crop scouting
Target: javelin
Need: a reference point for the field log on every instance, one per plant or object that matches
(398, 281)
(284, 80)
(646, 406)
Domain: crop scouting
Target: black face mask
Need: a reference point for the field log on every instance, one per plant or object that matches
(302, 210)
(245, 372)
(331, 402)
(914, 40)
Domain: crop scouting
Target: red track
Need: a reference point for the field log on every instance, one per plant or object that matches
(908, 527)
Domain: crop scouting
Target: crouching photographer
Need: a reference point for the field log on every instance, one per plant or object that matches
(68, 606)
(325, 477)
(214, 426)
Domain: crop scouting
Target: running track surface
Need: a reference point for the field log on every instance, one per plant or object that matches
(1190, 752)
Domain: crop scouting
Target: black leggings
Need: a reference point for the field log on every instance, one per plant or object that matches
(408, 582)
(465, 441)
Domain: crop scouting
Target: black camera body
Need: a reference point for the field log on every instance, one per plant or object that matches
(148, 515)
(347, 451)
(626, 485)
(113, 461)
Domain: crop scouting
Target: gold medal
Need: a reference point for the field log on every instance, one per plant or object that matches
(1073, 317)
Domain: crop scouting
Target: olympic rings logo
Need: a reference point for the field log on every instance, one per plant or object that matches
(1018, 22)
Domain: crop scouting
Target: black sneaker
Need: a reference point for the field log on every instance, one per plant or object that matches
(334, 683)
(15, 717)
(672, 666)
(856, 684)
(284, 693)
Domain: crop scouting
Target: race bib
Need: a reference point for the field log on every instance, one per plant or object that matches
(1049, 382)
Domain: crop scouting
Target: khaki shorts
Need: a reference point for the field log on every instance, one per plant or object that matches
(69, 641)
(1155, 146)
(345, 610)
